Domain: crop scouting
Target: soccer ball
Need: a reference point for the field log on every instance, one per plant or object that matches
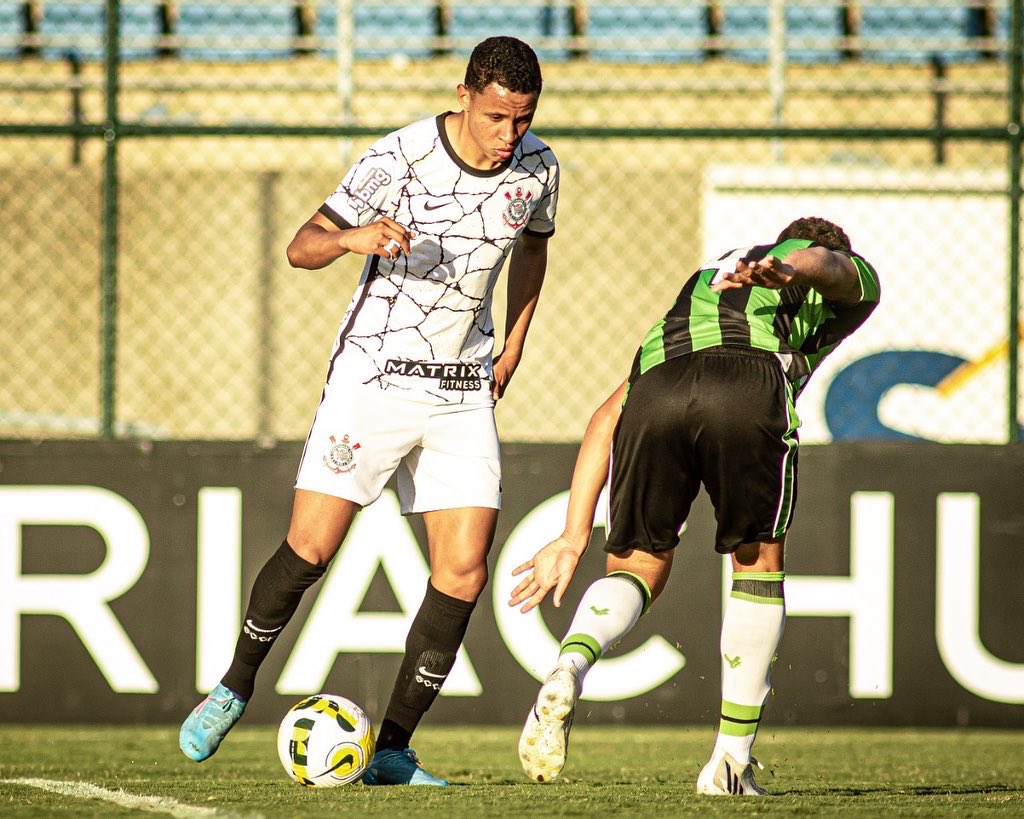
(325, 740)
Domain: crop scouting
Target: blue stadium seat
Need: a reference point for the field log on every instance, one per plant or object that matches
(748, 22)
(814, 21)
(140, 28)
(82, 29)
(525, 22)
(1003, 22)
(616, 22)
(256, 32)
(12, 26)
(879, 22)
(79, 26)
(801, 21)
(391, 22)
(1003, 18)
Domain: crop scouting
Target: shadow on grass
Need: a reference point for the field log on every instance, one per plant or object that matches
(904, 790)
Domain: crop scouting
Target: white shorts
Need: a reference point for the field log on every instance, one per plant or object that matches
(446, 455)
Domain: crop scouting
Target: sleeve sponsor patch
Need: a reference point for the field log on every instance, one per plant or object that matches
(372, 181)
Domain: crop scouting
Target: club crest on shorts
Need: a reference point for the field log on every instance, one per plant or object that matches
(341, 457)
(517, 211)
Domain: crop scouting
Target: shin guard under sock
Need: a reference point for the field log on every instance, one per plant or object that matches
(609, 609)
(755, 616)
(430, 649)
(275, 596)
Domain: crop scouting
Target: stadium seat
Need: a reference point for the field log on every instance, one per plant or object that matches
(824, 22)
(396, 22)
(81, 28)
(524, 21)
(211, 31)
(751, 22)
(140, 28)
(12, 26)
(616, 23)
(887, 22)
(74, 27)
(1003, 17)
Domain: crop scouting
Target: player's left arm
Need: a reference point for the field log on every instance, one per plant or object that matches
(832, 274)
(525, 278)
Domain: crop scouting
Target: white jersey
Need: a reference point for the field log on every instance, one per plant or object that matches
(422, 322)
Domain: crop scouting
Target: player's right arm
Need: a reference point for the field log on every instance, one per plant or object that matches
(831, 273)
(320, 241)
(554, 565)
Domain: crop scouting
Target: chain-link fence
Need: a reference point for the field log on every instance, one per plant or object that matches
(148, 196)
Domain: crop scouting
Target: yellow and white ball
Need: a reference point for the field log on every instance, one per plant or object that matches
(324, 741)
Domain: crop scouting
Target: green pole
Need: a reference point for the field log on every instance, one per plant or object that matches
(1016, 141)
(108, 253)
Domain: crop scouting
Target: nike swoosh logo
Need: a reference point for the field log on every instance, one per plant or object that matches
(426, 673)
(434, 205)
(249, 623)
(348, 759)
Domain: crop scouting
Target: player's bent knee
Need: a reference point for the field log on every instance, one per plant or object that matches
(653, 568)
(311, 550)
(760, 556)
(465, 584)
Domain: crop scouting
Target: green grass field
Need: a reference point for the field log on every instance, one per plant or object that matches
(94, 771)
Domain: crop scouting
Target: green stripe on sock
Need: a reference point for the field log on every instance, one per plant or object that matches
(737, 729)
(759, 575)
(739, 720)
(744, 713)
(755, 598)
(582, 644)
(640, 584)
(759, 587)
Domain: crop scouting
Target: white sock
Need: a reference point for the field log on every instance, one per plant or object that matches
(755, 615)
(608, 610)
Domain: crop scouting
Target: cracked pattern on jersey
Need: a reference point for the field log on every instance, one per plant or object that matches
(433, 305)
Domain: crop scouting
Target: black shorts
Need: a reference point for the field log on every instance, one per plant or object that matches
(723, 417)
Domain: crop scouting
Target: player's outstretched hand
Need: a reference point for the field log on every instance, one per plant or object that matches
(769, 272)
(385, 238)
(552, 567)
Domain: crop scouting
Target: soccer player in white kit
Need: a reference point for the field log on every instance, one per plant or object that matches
(436, 208)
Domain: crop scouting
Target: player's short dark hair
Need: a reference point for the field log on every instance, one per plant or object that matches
(818, 230)
(509, 62)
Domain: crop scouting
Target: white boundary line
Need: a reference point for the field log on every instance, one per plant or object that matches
(86, 790)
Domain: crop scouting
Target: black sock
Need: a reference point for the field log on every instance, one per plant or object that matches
(434, 639)
(275, 596)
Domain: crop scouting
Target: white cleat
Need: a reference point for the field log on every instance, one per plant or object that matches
(544, 743)
(724, 776)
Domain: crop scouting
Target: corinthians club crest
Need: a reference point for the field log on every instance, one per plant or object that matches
(517, 210)
(341, 457)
